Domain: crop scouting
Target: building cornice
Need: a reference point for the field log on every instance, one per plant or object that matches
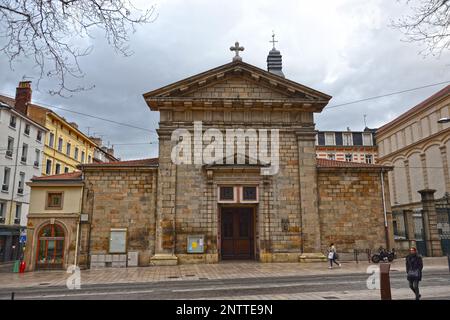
(423, 141)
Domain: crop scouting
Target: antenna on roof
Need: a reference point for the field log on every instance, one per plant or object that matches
(365, 121)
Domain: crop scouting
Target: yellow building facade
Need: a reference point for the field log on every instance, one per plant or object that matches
(65, 145)
(54, 221)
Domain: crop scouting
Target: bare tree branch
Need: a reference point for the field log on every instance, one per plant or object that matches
(50, 32)
(429, 24)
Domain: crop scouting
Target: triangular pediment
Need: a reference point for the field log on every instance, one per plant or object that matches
(236, 81)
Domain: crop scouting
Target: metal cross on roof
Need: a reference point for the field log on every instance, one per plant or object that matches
(237, 48)
(273, 39)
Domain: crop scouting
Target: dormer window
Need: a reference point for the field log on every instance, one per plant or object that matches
(329, 139)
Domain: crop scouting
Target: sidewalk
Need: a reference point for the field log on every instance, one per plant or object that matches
(224, 270)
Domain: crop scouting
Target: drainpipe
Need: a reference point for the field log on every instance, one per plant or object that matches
(384, 209)
(76, 243)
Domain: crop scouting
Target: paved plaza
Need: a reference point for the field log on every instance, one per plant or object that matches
(232, 280)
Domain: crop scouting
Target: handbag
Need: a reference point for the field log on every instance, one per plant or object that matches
(413, 274)
(331, 255)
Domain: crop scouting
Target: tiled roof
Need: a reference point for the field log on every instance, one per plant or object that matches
(421, 105)
(325, 163)
(65, 176)
(9, 101)
(130, 163)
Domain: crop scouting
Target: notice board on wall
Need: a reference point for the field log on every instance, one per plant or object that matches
(196, 244)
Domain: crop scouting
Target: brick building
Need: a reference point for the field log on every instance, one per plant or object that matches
(161, 212)
(350, 146)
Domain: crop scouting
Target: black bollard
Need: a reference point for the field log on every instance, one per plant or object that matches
(448, 258)
(385, 281)
(12, 295)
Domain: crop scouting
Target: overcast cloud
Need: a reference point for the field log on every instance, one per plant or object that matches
(342, 48)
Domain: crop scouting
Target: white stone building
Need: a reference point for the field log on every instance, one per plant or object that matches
(21, 152)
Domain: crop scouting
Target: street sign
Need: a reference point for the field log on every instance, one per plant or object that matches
(23, 239)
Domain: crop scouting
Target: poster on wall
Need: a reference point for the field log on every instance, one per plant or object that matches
(195, 244)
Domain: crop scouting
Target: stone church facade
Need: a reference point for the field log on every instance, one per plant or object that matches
(172, 213)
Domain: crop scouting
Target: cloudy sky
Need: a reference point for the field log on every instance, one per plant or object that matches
(343, 48)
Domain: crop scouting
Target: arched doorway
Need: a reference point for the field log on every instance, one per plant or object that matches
(50, 250)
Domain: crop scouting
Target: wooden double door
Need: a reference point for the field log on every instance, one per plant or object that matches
(237, 233)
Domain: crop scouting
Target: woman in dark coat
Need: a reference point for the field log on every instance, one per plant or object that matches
(414, 266)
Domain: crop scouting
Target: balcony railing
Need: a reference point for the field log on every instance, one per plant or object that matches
(36, 164)
(9, 153)
(23, 159)
(16, 221)
(20, 191)
(5, 187)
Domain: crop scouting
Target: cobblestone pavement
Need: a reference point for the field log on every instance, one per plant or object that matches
(226, 270)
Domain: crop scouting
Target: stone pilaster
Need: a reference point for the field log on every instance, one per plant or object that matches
(423, 160)
(409, 226)
(309, 210)
(434, 248)
(165, 205)
(408, 180)
(444, 156)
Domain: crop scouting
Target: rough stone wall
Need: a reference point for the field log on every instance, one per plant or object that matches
(121, 199)
(351, 209)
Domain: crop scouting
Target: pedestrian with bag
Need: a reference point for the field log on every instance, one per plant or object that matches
(332, 256)
(414, 266)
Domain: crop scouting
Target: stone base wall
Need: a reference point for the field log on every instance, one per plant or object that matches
(351, 209)
(122, 198)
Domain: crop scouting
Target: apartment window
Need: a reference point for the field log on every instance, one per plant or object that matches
(51, 140)
(21, 183)
(2, 212)
(58, 168)
(367, 139)
(12, 121)
(89, 159)
(54, 200)
(331, 156)
(18, 213)
(76, 153)
(37, 158)
(6, 176)
(27, 129)
(48, 167)
(60, 144)
(82, 156)
(347, 139)
(68, 149)
(349, 157)
(66, 169)
(369, 158)
(39, 136)
(329, 139)
(10, 148)
(118, 241)
(24, 153)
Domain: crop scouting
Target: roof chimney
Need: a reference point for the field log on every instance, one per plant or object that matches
(274, 61)
(23, 96)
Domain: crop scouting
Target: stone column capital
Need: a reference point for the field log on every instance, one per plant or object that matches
(426, 193)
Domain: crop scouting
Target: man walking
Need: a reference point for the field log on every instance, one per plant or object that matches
(414, 266)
